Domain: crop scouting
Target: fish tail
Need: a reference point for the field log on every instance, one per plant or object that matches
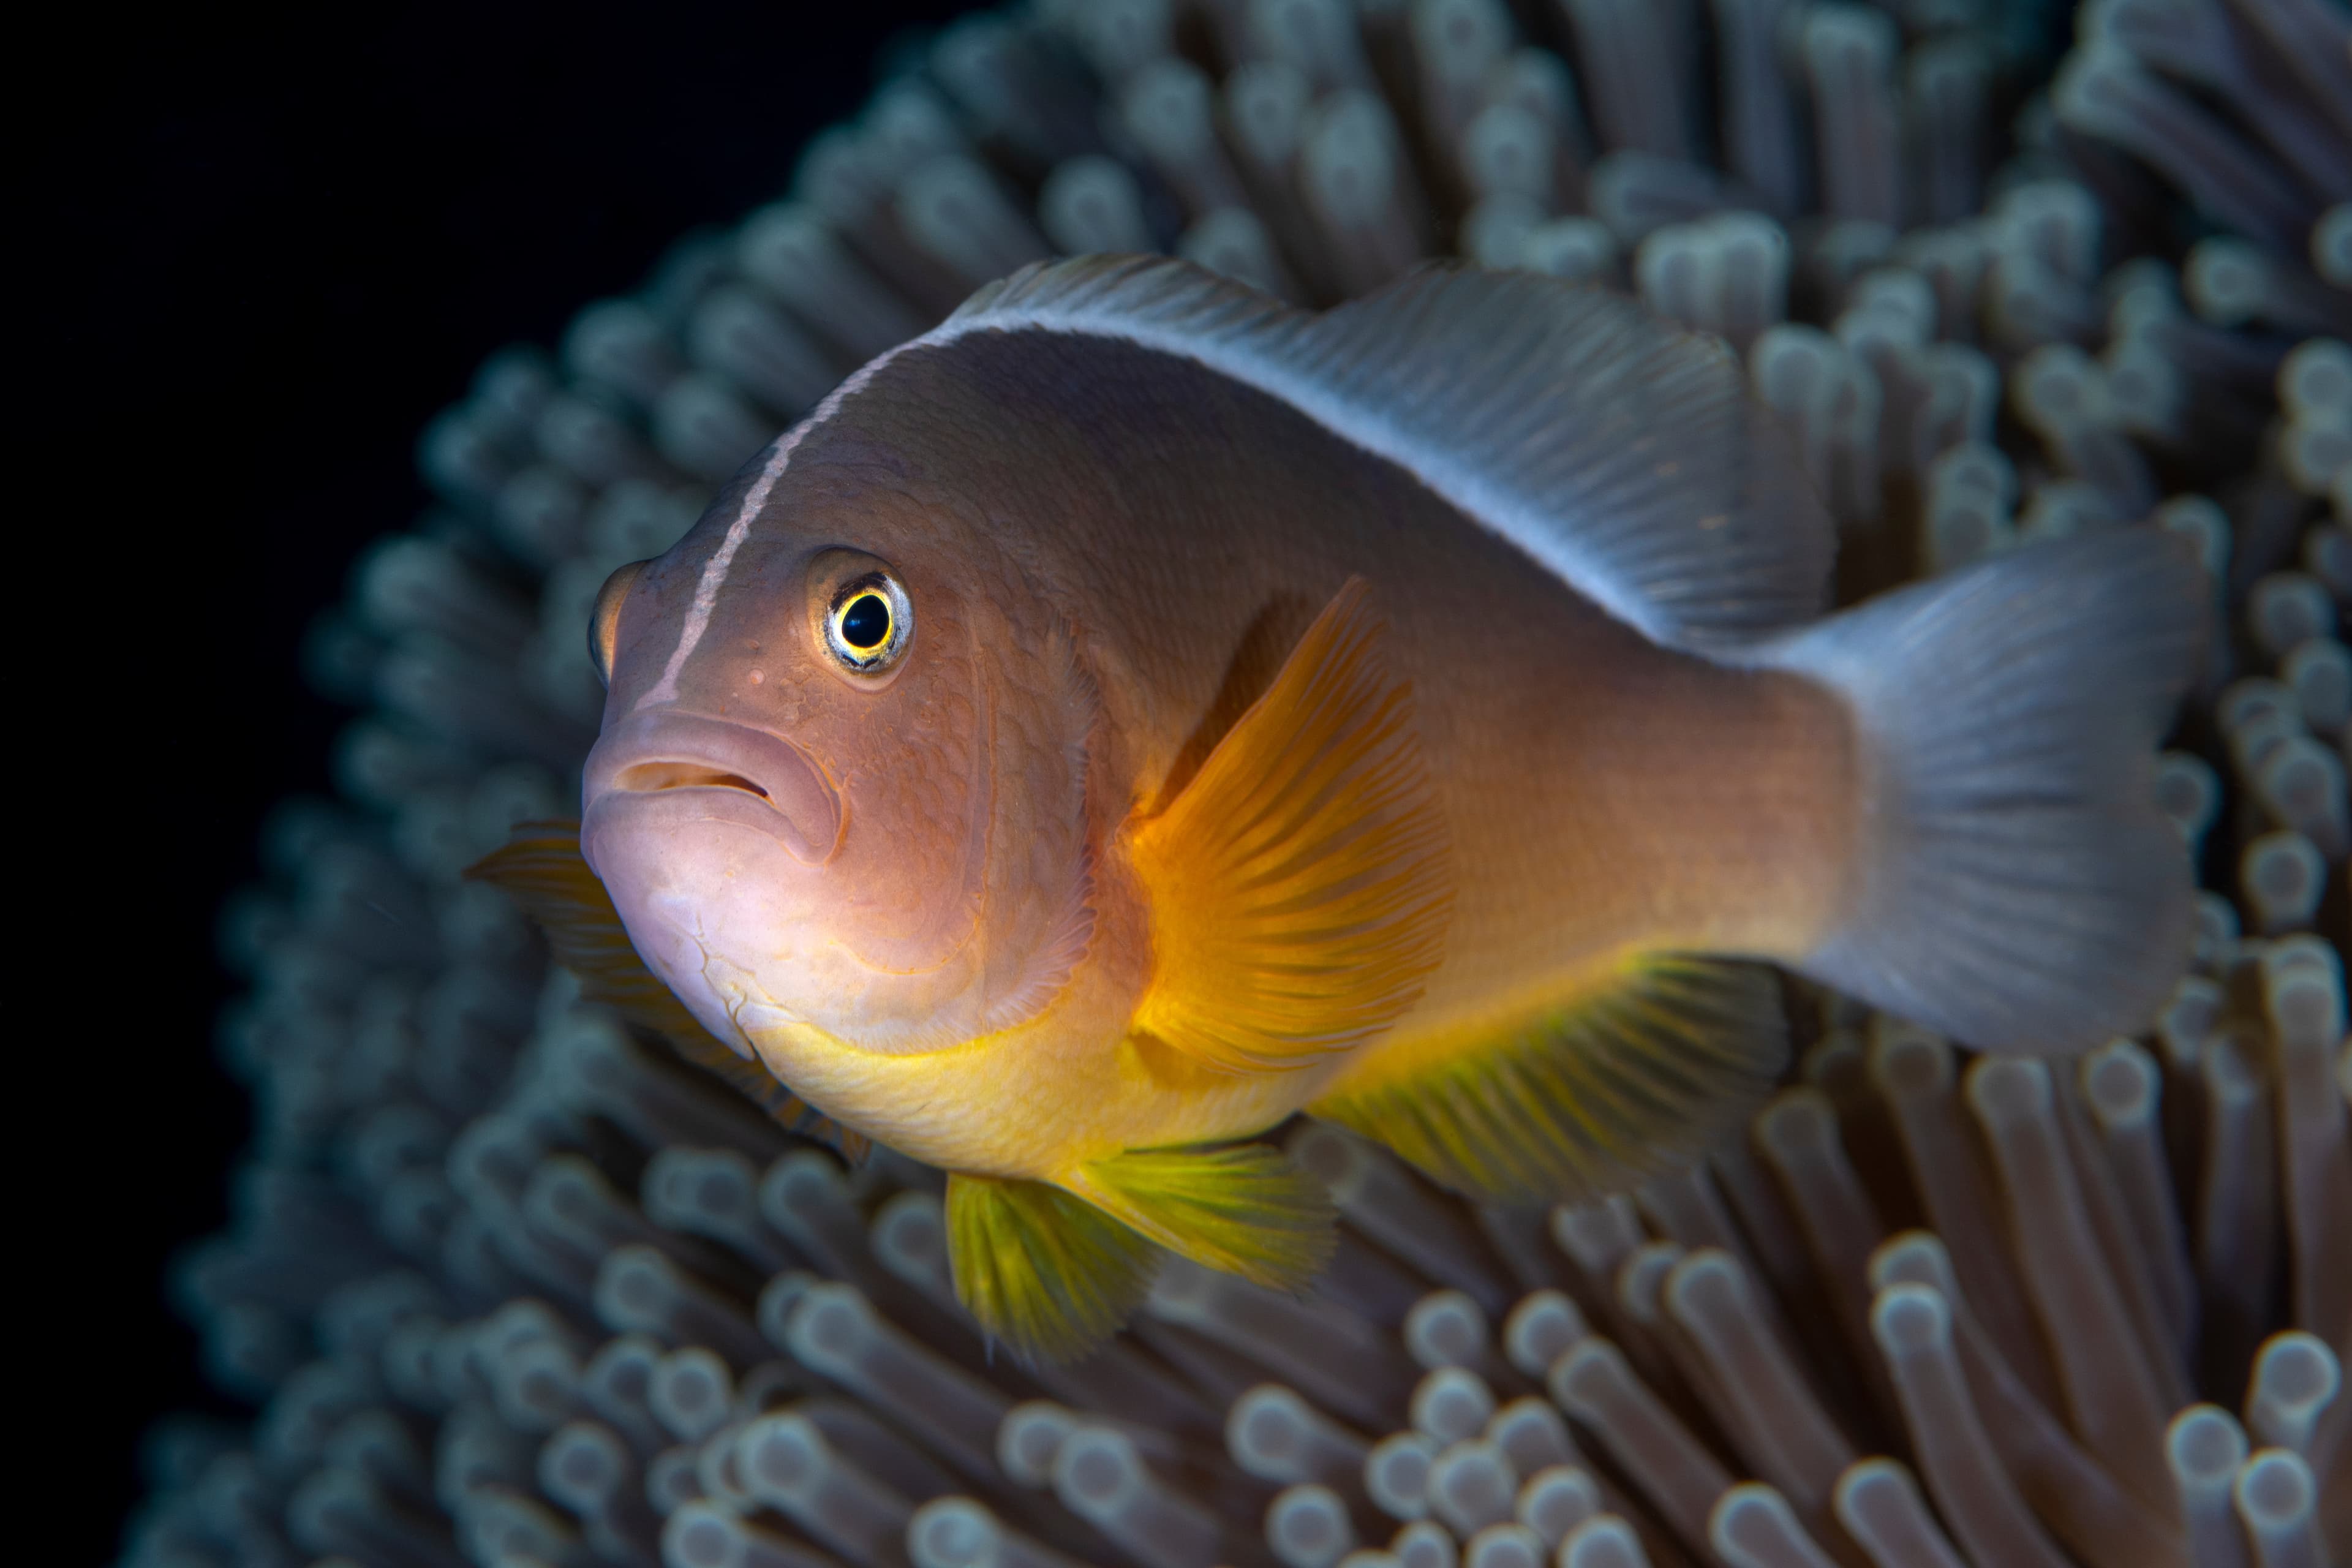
(2016, 887)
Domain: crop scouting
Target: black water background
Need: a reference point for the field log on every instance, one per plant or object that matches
(264, 250)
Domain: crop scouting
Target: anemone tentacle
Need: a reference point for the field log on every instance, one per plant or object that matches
(509, 1287)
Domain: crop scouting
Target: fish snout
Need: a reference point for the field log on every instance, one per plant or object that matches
(678, 766)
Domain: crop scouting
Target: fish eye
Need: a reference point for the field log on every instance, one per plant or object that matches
(869, 623)
(605, 620)
(866, 623)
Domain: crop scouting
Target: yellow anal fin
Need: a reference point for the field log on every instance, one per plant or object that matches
(1299, 884)
(1584, 1098)
(1242, 1208)
(541, 869)
(1044, 1271)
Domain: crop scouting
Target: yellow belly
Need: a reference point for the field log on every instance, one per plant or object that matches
(1023, 1105)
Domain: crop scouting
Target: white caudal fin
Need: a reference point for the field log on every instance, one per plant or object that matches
(2019, 888)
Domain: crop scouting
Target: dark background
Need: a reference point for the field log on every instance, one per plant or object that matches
(266, 251)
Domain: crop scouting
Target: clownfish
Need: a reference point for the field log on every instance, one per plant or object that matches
(1137, 711)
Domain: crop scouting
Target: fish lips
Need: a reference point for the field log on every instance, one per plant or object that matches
(668, 768)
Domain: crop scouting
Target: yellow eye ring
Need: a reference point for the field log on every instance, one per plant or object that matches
(869, 624)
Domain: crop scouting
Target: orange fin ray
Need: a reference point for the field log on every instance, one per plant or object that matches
(1299, 884)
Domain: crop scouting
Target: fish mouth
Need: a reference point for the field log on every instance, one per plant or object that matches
(671, 765)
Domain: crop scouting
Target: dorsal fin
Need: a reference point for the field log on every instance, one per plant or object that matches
(1618, 451)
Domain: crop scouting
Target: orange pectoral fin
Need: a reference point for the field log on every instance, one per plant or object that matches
(541, 869)
(1300, 885)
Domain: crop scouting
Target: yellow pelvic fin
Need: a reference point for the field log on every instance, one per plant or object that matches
(1299, 884)
(1588, 1098)
(541, 869)
(1244, 1208)
(1044, 1272)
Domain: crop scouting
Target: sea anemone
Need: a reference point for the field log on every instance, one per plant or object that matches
(514, 1286)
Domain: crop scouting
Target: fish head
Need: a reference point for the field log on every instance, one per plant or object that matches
(838, 797)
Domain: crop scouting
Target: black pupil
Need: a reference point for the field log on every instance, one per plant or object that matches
(866, 621)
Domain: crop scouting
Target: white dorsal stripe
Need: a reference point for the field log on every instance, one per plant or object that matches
(1618, 451)
(1552, 414)
(739, 527)
(1359, 426)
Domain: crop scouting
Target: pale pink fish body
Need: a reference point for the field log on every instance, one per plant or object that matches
(1111, 500)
